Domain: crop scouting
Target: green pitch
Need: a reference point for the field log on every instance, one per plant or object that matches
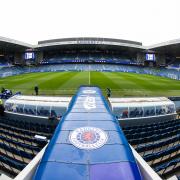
(66, 83)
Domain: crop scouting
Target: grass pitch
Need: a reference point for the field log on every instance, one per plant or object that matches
(66, 83)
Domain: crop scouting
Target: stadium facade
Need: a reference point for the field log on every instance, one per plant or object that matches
(156, 55)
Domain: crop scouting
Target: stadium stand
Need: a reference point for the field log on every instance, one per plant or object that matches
(5, 62)
(175, 64)
(85, 57)
(18, 145)
(158, 144)
(164, 72)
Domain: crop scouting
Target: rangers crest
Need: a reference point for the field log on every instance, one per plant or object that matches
(88, 138)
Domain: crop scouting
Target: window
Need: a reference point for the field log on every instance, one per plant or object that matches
(149, 111)
(170, 109)
(160, 110)
(121, 112)
(135, 112)
(43, 111)
(57, 111)
(30, 109)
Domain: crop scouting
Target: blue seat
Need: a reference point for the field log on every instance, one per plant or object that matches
(166, 164)
(26, 155)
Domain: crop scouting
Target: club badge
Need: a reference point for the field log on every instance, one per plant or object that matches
(88, 138)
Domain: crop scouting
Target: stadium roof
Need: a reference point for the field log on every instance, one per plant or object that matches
(13, 44)
(91, 39)
(169, 47)
(88, 42)
(167, 43)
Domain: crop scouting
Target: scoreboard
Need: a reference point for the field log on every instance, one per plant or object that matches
(150, 57)
(29, 56)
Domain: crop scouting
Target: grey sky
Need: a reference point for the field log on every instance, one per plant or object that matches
(147, 21)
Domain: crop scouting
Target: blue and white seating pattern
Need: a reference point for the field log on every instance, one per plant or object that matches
(158, 144)
(87, 57)
(169, 73)
(18, 145)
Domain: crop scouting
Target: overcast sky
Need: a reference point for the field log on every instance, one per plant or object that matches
(147, 21)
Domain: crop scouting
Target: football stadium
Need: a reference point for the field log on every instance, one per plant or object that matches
(89, 109)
